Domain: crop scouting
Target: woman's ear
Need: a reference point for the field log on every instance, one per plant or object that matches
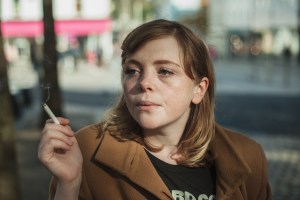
(200, 90)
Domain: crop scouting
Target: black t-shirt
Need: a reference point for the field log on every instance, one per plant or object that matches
(186, 182)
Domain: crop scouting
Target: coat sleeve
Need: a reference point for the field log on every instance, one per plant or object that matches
(85, 192)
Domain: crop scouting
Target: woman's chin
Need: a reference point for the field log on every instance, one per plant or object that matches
(149, 125)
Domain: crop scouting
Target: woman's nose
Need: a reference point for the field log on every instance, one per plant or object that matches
(147, 81)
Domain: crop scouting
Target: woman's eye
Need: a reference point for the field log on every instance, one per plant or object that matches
(131, 71)
(165, 72)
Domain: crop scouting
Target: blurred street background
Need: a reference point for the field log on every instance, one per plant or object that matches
(255, 51)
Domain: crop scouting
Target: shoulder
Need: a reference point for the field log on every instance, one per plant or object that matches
(239, 153)
(230, 143)
(90, 130)
(238, 140)
(89, 137)
(88, 133)
(234, 145)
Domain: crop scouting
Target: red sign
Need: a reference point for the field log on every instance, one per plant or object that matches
(62, 27)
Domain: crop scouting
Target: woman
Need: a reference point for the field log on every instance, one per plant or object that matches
(161, 140)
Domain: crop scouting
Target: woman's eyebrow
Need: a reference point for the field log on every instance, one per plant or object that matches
(167, 62)
(135, 62)
(132, 61)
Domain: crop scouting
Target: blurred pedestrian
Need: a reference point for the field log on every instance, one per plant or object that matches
(36, 57)
(287, 54)
(161, 140)
(74, 51)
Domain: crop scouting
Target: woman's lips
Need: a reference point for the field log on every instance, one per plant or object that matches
(146, 105)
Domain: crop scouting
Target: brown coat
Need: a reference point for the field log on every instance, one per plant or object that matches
(114, 170)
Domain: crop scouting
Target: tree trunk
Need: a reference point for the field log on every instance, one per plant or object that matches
(203, 17)
(50, 63)
(9, 179)
(299, 32)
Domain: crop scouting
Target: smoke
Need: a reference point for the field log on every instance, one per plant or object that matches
(47, 88)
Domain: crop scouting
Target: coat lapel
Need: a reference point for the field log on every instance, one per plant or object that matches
(129, 159)
(231, 168)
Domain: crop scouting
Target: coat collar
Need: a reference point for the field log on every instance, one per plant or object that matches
(231, 167)
(128, 157)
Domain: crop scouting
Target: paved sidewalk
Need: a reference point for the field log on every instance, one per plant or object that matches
(262, 77)
(283, 154)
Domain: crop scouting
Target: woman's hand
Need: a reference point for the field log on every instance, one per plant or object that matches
(60, 153)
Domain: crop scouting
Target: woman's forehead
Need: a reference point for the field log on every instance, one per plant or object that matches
(161, 48)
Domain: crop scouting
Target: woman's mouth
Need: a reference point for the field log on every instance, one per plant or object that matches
(146, 105)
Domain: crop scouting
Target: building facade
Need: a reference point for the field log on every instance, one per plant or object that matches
(253, 27)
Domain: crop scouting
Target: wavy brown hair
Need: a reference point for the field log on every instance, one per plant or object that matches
(199, 130)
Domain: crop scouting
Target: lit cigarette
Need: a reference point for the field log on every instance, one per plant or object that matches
(50, 113)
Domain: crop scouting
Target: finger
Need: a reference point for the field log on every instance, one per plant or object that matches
(56, 127)
(53, 134)
(62, 121)
(48, 149)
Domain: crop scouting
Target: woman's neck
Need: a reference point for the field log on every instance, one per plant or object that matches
(168, 154)
(168, 142)
(159, 138)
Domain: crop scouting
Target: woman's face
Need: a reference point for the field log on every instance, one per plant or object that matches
(157, 91)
